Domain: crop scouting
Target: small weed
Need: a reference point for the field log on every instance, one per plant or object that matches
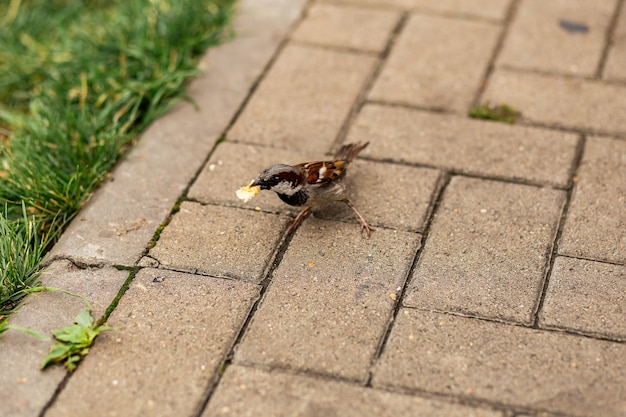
(21, 249)
(74, 341)
(499, 113)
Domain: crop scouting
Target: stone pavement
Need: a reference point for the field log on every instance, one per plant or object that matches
(494, 284)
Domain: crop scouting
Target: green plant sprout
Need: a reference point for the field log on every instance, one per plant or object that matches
(73, 342)
(499, 113)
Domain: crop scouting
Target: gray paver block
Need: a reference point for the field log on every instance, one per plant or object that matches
(219, 241)
(117, 224)
(470, 358)
(465, 145)
(487, 250)
(586, 296)
(560, 101)
(596, 220)
(304, 99)
(349, 27)
(489, 9)
(233, 165)
(174, 331)
(615, 68)
(330, 299)
(565, 36)
(247, 391)
(437, 62)
(25, 388)
(389, 195)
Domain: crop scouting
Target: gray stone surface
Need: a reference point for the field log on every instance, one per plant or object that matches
(173, 333)
(304, 98)
(437, 62)
(329, 300)
(615, 68)
(586, 296)
(119, 221)
(566, 102)
(220, 241)
(465, 145)
(25, 388)
(489, 9)
(254, 392)
(596, 220)
(487, 250)
(469, 358)
(565, 36)
(388, 195)
(349, 27)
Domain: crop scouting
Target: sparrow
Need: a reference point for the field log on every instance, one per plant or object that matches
(311, 184)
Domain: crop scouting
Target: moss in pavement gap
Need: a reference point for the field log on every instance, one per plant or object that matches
(499, 113)
(131, 276)
(78, 82)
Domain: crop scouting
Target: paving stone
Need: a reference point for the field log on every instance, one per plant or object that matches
(564, 102)
(596, 220)
(615, 68)
(174, 331)
(304, 99)
(25, 388)
(388, 195)
(587, 297)
(219, 241)
(447, 71)
(565, 36)
(349, 27)
(487, 250)
(465, 145)
(490, 9)
(328, 305)
(253, 392)
(514, 365)
(119, 221)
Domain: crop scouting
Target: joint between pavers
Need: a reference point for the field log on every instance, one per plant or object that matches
(60, 387)
(507, 410)
(268, 66)
(582, 258)
(273, 263)
(609, 36)
(507, 180)
(411, 106)
(556, 74)
(506, 25)
(336, 48)
(438, 192)
(300, 372)
(504, 322)
(462, 173)
(361, 98)
(554, 247)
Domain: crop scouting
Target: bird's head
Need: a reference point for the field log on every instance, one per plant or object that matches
(280, 178)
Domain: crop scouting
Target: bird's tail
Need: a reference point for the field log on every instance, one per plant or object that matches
(349, 151)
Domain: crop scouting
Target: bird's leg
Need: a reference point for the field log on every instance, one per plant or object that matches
(299, 219)
(364, 226)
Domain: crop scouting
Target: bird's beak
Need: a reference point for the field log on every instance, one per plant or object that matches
(258, 182)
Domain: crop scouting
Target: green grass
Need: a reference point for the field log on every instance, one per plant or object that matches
(79, 80)
(499, 113)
